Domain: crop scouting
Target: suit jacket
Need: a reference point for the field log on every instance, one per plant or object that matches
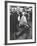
(13, 22)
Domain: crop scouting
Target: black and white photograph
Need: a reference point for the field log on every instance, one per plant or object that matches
(20, 22)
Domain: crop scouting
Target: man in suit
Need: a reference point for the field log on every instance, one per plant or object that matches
(13, 22)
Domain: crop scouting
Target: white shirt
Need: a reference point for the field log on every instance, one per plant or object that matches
(18, 18)
(23, 20)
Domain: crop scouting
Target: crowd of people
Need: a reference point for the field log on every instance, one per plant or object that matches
(19, 18)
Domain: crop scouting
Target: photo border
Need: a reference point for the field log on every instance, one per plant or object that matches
(6, 21)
